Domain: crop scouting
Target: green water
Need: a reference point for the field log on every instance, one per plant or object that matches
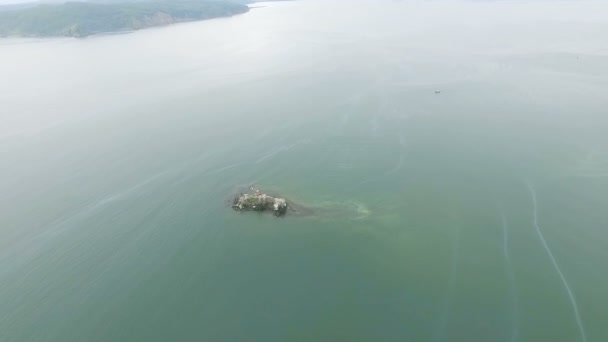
(118, 153)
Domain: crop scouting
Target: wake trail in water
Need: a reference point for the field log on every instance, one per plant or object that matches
(397, 167)
(577, 315)
(402, 142)
(29, 133)
(61, 226)
(394, 169)
(443, 319)
(403, 145)
(511, 278)
(281, 149)
(374, 127)
(597, 175)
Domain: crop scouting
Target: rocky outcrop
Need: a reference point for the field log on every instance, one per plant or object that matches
(257, 201)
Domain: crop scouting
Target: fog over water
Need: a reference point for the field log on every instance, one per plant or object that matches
(452, 157)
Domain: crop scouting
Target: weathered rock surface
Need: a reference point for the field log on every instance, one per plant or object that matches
(257, 201)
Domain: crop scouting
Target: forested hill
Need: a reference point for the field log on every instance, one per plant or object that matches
(81, 19)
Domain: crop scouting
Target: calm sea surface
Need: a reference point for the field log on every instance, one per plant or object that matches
(475, 214)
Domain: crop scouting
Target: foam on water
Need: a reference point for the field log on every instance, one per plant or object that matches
(511, 279)
(577, 316)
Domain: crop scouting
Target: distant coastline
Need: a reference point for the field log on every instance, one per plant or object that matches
(83, 19)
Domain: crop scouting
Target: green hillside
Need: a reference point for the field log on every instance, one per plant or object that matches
(78, 19)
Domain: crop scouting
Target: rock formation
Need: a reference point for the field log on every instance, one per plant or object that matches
(257, 201)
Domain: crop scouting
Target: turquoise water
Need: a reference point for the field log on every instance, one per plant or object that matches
(475, 214)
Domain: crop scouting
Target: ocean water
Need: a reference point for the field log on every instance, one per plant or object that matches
(474, 214)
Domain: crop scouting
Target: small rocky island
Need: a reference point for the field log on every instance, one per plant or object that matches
(255, 200)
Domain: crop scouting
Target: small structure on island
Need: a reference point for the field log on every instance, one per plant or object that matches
(258, 201)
